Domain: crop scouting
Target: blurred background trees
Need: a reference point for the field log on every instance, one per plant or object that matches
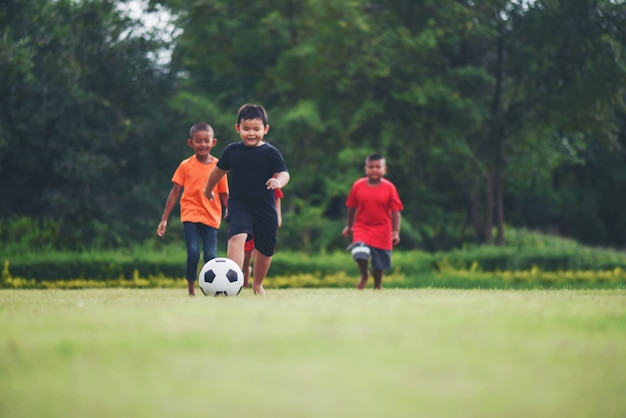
(490, 113)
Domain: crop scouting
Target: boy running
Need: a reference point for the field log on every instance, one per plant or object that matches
(201, 217)
(374, 220)
(255, 168)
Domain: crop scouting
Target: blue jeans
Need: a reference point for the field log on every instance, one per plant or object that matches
(194, 233)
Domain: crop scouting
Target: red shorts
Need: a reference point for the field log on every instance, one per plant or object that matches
(249, 245)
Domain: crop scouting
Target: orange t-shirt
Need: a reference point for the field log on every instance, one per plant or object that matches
(192, 175)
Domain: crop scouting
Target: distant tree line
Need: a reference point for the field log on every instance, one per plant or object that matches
(490, 113)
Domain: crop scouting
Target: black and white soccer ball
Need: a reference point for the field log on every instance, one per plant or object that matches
(220, 277)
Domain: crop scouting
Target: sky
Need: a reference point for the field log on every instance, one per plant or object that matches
(138, 9)
(160, 19)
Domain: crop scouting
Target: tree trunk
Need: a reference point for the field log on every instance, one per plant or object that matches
(489, 207)
(497, 138)
(499, 186)
(476, 215)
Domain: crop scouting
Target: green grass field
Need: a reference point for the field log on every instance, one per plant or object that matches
(313, 353)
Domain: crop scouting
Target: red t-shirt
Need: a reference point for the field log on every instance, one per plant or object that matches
(374, 205)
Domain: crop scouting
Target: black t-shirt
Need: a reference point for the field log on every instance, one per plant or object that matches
(248, 170)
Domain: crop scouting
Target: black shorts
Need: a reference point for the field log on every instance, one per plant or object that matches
(260, 221)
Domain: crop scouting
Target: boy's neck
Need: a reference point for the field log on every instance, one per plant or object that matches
(205, 160)
(260, 143)
(374, 182)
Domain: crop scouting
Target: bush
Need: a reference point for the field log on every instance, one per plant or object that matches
(528, 252)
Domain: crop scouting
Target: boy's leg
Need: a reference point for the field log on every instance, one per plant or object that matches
(235, 248)
(193, 255)
(262, 264)
(363, 268)
(381, 261)
(361, 253)
(208, 236)
(248, 256)
(246, 268)
(378, 279)
(265, 228)
(191, 288)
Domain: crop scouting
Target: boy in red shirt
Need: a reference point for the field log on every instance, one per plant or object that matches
(374, 220)
(200, 216)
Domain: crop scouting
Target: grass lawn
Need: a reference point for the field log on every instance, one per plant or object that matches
(313, 353)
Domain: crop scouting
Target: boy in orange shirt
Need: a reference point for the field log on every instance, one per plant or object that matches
(200, 216)
(373, 220)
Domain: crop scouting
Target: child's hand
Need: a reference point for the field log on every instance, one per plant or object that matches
(346, 231)
(210, 196)
(273, 183)
(395, 237)
(161, 228)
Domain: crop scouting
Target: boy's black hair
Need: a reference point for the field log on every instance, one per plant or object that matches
(200, 127)
(252, 111)
(374, 157)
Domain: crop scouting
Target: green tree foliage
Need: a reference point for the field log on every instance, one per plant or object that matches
(471, 102)
(570, 69)
(488, 112)
(79, 97)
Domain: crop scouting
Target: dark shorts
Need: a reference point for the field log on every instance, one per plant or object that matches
(381, 259)
(260, 222)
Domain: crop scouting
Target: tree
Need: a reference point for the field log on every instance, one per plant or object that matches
(558, 78)
(78, 89)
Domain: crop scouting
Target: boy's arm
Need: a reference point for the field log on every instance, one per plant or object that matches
(172, 198)
(279, 180)
(224, 200)
(214, 177)
(279, 212)
(395, 227)
(348, 229)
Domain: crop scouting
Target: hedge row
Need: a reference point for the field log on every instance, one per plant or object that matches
(171, 263)
(450, 278)
(546, 259)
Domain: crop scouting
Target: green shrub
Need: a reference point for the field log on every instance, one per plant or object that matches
(491, 258)
(154, 259)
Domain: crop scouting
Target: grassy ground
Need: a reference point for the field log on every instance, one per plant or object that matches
(312, 353)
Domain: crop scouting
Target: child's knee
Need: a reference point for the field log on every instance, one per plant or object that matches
(238, 239)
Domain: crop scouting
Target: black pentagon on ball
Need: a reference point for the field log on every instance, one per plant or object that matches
(232, 276)
(209, 276)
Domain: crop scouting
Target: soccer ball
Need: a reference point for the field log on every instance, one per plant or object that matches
(220, 277)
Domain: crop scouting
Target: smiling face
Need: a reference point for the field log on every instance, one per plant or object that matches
(252, 131)
(202, 142)
(375, 170)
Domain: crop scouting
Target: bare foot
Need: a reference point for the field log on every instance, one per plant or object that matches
(363, 282)
(191, 288)
(258, 290)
